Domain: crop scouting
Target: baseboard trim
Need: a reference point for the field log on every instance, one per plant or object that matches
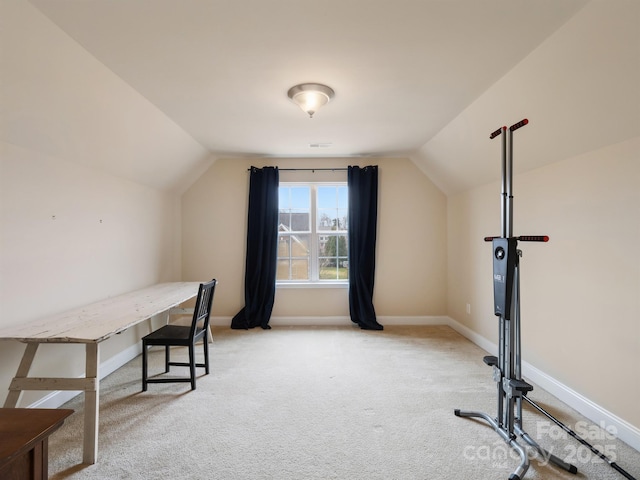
(339, 321)
(625, 431)
(335, 321)
(414, 320)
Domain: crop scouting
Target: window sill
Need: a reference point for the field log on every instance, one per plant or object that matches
(327, 284)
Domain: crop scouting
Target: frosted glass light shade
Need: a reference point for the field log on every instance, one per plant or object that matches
(310, 96)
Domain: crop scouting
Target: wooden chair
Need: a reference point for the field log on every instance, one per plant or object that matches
(185, 336)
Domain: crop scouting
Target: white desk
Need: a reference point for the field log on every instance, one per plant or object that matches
(90, 325)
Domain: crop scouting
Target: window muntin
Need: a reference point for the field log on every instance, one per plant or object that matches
(312, 233)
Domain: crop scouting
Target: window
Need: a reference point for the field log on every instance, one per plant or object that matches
(312, 233)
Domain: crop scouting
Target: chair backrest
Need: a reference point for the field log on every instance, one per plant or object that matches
(202, 310)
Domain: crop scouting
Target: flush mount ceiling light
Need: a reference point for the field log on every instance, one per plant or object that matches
(310, 96)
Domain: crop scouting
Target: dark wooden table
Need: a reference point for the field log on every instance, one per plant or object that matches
(24, 441)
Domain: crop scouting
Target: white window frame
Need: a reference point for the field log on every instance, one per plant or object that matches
(314, 280)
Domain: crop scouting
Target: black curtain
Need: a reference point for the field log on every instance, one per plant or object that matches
(363, 218)
(262, 250)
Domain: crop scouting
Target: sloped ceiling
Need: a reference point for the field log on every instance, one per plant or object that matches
(402, 71)
(580, 90)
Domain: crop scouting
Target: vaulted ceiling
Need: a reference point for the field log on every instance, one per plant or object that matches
(402, 71)
(221, 68)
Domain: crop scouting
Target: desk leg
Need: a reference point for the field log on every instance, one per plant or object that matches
(23, 370)
(91, 405)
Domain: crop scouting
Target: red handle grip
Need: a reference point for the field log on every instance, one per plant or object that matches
(518, 125)
(524, 238)
(533, 238)
(497, 132)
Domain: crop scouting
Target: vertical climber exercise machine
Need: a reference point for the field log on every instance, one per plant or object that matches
(506, 294)
(507, 371)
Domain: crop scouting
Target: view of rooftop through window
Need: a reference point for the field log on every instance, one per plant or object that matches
(312, 238)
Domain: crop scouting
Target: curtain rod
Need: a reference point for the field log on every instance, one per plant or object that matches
(309, 169)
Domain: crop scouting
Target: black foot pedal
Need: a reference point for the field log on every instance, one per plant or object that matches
(490, 360)
(520, 385)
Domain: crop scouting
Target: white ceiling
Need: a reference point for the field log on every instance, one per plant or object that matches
(220, 69)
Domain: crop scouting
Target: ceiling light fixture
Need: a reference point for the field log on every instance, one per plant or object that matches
(310, 96)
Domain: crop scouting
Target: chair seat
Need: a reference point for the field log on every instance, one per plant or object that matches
(169, 334)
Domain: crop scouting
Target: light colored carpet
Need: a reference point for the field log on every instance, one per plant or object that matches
(320, 403)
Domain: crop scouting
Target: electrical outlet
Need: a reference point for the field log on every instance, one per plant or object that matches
(468, 309)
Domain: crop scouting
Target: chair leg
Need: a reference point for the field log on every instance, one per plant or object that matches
(192, 365)
(167, 354)
(144, 367)
(206, 354)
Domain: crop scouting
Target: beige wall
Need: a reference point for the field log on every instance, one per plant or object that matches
(580, 291)
(73, 235)
(411, 259)
(72, 229)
